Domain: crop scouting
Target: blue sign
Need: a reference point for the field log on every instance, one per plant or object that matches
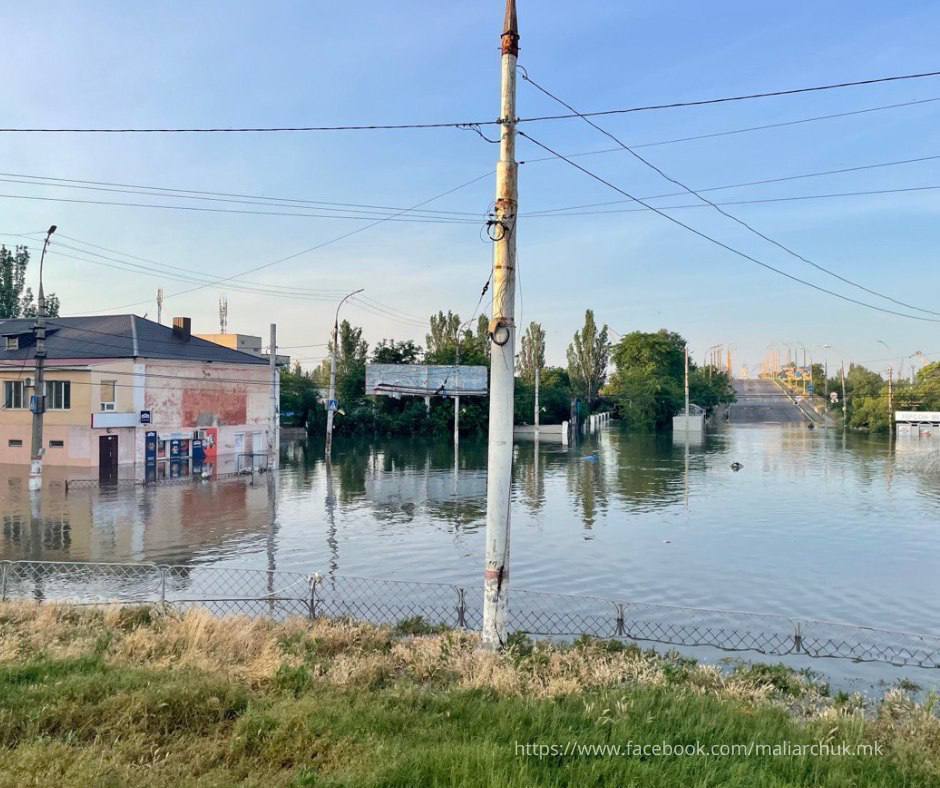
(145, 417)
(332, 405)
(811, 388)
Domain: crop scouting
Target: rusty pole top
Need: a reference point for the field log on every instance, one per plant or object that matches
(511, 30)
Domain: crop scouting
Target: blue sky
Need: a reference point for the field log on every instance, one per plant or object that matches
(284, 63)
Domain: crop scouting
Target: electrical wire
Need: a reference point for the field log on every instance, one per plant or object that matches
(761, 201)
(744, 184)
(194, 194)
(315, 247)
(201, 194)
(466, 124)
(721, 244)
(728, 215)
(744, 130)
(239, 211)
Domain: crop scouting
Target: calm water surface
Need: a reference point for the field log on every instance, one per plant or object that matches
(815, 524)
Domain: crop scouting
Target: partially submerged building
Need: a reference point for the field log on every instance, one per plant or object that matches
(124, 390)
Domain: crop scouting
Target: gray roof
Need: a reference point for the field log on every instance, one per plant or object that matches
(114, 336)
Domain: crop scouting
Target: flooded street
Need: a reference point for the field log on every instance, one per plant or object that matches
(815, 524)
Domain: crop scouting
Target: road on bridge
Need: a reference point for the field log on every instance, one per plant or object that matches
(762, 401)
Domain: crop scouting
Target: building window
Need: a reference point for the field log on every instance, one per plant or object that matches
(14, 443)
(14, 394)
(58, 394)
(56, 444)
(107, 394)
(13, 343)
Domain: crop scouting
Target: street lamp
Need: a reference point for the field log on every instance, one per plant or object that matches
(38, 398)
(332, 406)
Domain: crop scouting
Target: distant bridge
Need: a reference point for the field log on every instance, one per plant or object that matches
(762, 402)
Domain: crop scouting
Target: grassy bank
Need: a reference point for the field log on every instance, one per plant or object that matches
(133, 697)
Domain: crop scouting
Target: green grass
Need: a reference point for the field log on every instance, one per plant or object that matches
(97, 718)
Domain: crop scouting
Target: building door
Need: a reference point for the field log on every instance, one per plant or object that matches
(108, 458)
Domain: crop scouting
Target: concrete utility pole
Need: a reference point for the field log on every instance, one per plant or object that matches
(456, 396)
(845, 415)
(274, 444)
(502, 350)
(890, 396)
(332, 405)
(686, 389)
(538, 375)
(38, 403)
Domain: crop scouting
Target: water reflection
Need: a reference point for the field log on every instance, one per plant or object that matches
(815, 523)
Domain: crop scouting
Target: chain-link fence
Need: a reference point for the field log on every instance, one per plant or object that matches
(278, 594)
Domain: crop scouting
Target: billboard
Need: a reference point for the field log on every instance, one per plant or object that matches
(422, 380)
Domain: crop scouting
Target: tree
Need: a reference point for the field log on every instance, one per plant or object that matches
(588, 355)
(388, 351)
(16, 300)
(352, 352)
(299, 405)
(532, 354)
(442, 341)
(649, 377)
(447, 331)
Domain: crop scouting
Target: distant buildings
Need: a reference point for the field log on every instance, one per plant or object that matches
(123, 390)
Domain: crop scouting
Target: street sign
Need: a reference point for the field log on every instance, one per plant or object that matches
(332, 405)
(145, 417)
(833, 396)
(811, 388)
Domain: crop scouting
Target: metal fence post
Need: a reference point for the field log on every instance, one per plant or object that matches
(621, 627)
(312, 600)
(4, 566)
(162, 586)
(797, 639)
(461, 609)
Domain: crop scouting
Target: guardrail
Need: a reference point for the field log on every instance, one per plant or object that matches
(278, 594)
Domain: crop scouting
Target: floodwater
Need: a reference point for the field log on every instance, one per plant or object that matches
(815, 524)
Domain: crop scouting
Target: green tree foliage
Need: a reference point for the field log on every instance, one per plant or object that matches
(649, 380)
(447, 330)
(554, 397)
(351, 355)
(532, 352)
(442, 340)
(16, 300)
(388, 351)
(588, 356)
(299, 403)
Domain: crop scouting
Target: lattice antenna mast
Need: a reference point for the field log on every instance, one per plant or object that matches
(223, 315)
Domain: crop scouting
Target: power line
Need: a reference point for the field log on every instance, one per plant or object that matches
(331, 293)
(241, 211)
(727, 99)
(206, 194)
(464, 124)
(203, 194)
(761, 201)
(315, 247)
(728, 215)
(721, 244)
(761, 182)
(744, 130)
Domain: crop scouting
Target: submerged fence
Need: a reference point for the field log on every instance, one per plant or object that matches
(278, 594)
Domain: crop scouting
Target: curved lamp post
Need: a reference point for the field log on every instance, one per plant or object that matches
(332, 405)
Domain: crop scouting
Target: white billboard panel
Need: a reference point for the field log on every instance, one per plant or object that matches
(422, 380)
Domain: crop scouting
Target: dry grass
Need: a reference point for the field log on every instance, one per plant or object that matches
(358, 660)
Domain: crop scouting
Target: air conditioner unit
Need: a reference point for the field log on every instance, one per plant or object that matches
(107, 406)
